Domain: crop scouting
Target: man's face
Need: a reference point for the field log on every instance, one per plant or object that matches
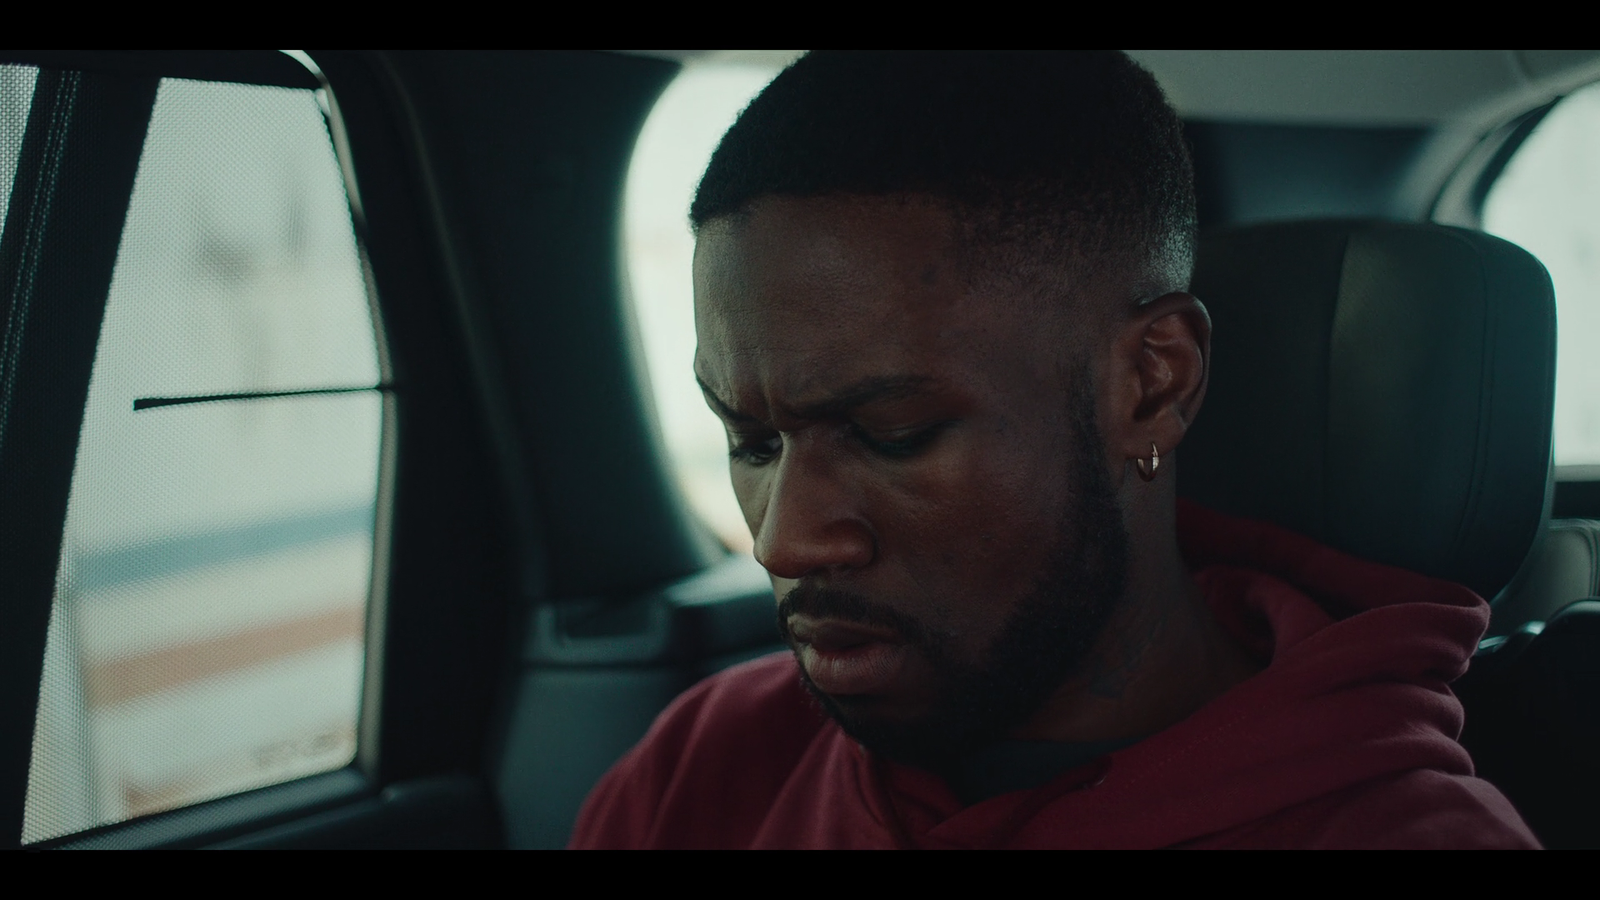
(919, 456)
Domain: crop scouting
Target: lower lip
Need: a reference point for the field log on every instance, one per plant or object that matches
(862, 669)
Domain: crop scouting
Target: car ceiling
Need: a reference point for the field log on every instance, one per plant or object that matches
(1465, 88)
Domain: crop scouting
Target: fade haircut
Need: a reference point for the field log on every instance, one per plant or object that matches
(1062, 170)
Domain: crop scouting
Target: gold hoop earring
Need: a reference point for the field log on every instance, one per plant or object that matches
(1155, 462)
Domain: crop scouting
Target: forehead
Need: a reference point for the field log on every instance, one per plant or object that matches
(801, 294)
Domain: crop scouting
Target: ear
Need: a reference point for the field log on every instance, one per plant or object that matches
(1160, 365)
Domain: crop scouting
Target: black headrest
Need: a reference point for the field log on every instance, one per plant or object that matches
(1385, 388)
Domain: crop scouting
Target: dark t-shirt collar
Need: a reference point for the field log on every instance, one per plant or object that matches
(1009, 766)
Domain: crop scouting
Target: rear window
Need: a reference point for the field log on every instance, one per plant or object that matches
(1545, 201)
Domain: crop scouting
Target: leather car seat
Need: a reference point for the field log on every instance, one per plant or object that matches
(1387, 388)
(1563, 567)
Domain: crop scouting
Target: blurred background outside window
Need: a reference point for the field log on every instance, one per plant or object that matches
(208, 626)
(1546, 201)
(16, 97)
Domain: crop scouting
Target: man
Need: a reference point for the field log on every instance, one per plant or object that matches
(941, 311)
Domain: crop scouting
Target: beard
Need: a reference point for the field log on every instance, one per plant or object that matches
(1045, 642)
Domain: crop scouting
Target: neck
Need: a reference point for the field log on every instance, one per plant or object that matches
(1161, 657)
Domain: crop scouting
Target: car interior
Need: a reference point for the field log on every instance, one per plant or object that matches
(338, 512)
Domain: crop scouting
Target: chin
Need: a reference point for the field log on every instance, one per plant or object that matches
(918, 737)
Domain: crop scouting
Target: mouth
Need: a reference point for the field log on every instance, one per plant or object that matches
(846, 658)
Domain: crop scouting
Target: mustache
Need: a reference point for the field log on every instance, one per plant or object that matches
(846, 606)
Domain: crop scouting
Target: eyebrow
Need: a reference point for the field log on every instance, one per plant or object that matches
(856, 394)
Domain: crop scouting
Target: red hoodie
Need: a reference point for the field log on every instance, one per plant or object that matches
(1347, 738)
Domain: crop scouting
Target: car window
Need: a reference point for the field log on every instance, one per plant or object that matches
(16, 96)
(208, 623)
(1544, 201)
(668, 160)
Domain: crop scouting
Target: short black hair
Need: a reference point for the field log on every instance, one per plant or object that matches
(1065, 156)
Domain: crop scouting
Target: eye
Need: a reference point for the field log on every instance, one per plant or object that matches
(755, 450)
(900, 444)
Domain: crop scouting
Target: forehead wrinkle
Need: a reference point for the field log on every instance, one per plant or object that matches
(871, 389)
(831, 404)
(722, 407)
(799, 298)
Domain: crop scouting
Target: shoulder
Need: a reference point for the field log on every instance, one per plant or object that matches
(714, 757)
(1419, 809)
(758, 705)
(1428, 809)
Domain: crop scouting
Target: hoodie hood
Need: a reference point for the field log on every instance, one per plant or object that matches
(1355, 692)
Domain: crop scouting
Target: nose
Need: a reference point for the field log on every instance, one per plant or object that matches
(812, 522)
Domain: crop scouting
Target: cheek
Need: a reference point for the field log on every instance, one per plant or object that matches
(964, 542)
(982, 514)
